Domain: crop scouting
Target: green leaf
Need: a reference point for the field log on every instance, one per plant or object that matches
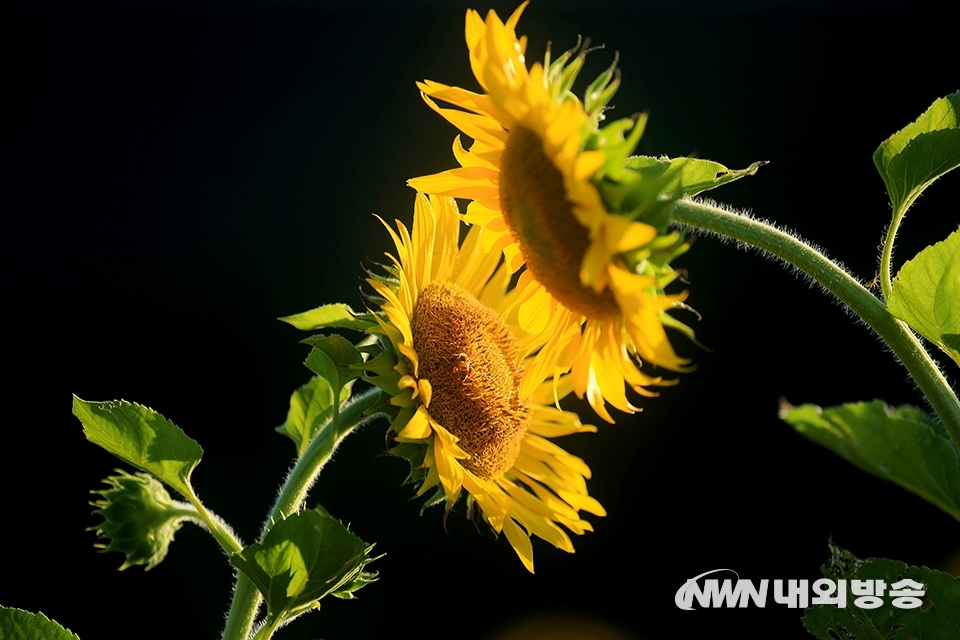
(341, 352)
(321, 364)
(334, 359)
(311, 407)
(926, 294)
(901, 444)
(921, 152)
(142, 437)
(328, 316)
(17, 624)
(689, 176)
(302, 559)
(939, 621)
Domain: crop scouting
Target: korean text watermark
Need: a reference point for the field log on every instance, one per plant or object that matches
(866, 594)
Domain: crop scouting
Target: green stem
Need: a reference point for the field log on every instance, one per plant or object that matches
(886, 284)
(834, 279)
(267, 630)
(219, 529)
(246, 597)
(243, 609)
(318, 452)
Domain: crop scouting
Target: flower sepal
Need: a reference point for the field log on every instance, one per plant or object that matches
(664, 180)
(416, 454)
(330, 316)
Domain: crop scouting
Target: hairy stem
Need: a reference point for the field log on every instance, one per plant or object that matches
(834, 279)
(886, 283)
(318, 452)
(246, 597)
(243, 609)
(219, 529)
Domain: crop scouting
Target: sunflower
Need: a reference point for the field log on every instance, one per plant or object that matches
(454, 369)
(594, 278)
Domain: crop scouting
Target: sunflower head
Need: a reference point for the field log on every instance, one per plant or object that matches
(454, 369)
(557, 192)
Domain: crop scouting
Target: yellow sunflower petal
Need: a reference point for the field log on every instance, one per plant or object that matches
(476, 183)
(520, 542)
(418, 427)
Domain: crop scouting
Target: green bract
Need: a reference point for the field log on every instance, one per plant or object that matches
(329, 315)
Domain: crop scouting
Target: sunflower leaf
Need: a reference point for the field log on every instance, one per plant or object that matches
(334, 358)
(144, 438)
(926, 294)
(342, 352)
(303, 558)
(311, 407)
(688, 176)
(918, 154)
(901, 444)
(329, 316)
(23, 625)
(938, 621)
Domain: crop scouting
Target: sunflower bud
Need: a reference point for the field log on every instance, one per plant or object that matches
(139, 518)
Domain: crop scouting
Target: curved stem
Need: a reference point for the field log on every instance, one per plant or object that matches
(219, 529)
(318, 452)
(838, 282)
(230, 544)
(886, 283)
(246, 597)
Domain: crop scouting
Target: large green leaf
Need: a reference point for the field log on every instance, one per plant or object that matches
(142, 437)
(938, 621)
(926, 294)
(311, 407)
(17, 624)
(921, 152)
(328, 316)
(901, 444)
(303, 558)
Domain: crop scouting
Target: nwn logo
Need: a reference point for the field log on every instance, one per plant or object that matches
(721, 594)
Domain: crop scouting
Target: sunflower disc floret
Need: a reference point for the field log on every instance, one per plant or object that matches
(470, 359)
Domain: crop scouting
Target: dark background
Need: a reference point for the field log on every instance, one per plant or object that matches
(177, 175)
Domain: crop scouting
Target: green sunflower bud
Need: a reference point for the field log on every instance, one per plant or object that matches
(139, 518)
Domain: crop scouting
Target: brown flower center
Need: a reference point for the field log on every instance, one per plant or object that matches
(535, 206)
(470, 359)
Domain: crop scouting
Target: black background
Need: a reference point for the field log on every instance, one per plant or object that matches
(177, 175)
